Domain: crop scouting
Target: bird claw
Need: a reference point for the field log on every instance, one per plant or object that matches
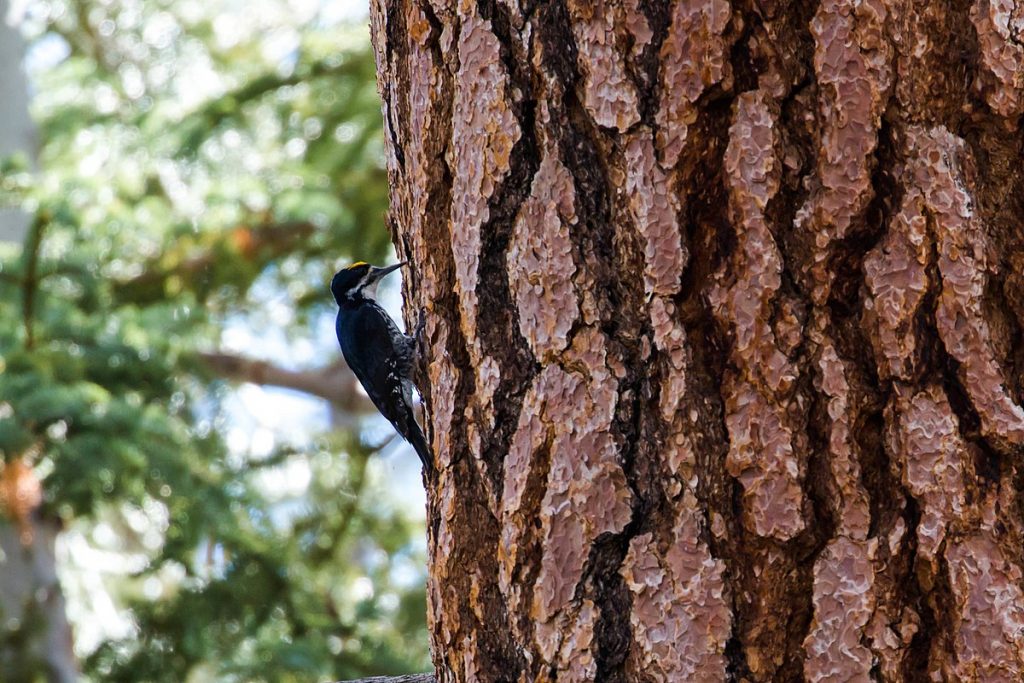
(419, 348)
(421, 325)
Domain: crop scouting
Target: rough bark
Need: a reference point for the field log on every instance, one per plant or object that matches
(725, 356)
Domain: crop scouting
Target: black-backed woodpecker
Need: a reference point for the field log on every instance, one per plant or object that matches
(381, 356)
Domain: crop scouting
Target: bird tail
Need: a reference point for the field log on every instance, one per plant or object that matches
(419, 443)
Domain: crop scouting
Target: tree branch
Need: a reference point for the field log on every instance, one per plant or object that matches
(411, 678)
(31, 282)
(335, 383)
(255, 244)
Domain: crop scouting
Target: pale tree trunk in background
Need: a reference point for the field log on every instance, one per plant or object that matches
(16, 130)
(35, 637)
(724, 321)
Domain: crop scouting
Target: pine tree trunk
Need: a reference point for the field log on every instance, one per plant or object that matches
(724, 313)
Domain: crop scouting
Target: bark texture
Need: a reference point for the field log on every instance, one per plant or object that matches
(725, 306)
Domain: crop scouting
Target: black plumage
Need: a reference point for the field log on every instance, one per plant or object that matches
(381, 356)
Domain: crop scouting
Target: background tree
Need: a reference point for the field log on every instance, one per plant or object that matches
(203, 171)
(725, 307)
(36, 632)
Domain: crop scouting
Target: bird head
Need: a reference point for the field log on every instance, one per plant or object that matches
(359, 281)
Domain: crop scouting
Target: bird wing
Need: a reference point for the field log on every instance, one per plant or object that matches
(367, 337)
(381, 358)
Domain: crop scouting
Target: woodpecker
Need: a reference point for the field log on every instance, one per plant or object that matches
(380, 355)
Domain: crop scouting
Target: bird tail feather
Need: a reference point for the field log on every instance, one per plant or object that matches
(419, 443)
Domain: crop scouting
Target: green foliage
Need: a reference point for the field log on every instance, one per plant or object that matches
(182, 172)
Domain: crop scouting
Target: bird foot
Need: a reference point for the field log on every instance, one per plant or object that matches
(421, 326)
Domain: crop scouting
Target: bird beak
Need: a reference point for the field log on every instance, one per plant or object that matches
(378, 273)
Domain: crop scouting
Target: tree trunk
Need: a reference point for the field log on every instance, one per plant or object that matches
(724, 323)
(17, 134)
(35, 636)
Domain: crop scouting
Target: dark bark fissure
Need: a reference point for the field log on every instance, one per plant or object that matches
(997, 150)
(498, 324)
(532, 543)
(847, 305)
(941, 605)
(791, 601)
(934, 92)
(941, 364)
(931, 594)
(915, 661)
(999, 192)
(961, 63)
(947, 369)
(883, 487)
(806, 547)
(1016, 479)
(395, 50)
(987, 460)
(717, 491)
(904, 568)
(846, 262)
(613, 632)
(579, 140)
(448, 303)
(554, 32)
(711, 240)
(644, 71)
(438, 57)
(747, 62)
(782, 210)
(898, 588)
(1005, 328)
(499, 659)
(602, 578)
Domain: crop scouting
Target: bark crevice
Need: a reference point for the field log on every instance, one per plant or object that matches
(499, 330)
(396, 52)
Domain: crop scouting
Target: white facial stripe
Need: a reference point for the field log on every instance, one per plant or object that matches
(369, 290)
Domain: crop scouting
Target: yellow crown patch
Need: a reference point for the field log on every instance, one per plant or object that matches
(357, 264)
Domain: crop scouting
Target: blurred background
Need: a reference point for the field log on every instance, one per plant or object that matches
(192, 487)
